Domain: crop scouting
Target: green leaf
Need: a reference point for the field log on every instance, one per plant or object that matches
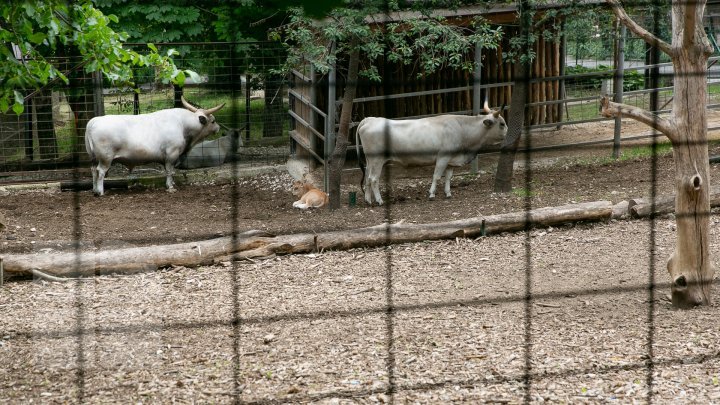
(18, 108)
(152, 46)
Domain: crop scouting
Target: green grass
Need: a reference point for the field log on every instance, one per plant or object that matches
(627, 153)
(523, 192)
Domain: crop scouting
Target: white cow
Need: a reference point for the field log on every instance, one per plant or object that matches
(447, 141)
(158, 137)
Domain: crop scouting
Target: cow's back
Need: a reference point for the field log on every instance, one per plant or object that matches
(137, 138)
(409, 142)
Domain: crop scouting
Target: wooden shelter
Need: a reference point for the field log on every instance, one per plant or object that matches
(405, 93)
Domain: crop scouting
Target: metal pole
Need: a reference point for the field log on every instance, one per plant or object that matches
(330, 121)
(477, 78)
(618, 86)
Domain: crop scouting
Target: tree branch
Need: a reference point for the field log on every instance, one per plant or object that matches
(611, 109)
(625, 19)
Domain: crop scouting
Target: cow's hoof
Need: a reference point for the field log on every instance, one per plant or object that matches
(447, 197)
(172, 190)
(431, 198)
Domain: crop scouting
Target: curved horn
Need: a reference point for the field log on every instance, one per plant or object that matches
(214, 109)
(187, 105)
(486, 108)
(498, 112)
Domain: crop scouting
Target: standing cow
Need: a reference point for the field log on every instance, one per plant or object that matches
(158, 137)
(447, 141)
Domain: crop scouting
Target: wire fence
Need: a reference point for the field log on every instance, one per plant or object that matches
(279, 330)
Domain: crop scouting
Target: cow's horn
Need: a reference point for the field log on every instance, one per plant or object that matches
(212, 110)
(486, 108)
(498, 112)
(187, 105)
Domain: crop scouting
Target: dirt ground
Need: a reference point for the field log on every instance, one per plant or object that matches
(431, 322)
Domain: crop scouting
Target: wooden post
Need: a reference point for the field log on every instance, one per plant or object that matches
(477, 79)
(330, 121)
(313, 101)
(618, 84)
(247, 108)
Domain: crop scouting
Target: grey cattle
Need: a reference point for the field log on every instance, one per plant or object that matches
(446, 141)
(210, 153)
(158, 137)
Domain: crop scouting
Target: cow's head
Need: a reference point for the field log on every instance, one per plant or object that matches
(494, 125)
(205, 118)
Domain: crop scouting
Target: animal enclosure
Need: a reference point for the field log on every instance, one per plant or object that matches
(572, 312)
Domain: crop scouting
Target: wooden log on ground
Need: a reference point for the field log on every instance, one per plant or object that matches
(260, 244)
(664, 204)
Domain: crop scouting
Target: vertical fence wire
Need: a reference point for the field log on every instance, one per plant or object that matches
(229, 74)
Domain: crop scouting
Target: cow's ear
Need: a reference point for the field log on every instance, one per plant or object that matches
(203, 119)
(488, 123)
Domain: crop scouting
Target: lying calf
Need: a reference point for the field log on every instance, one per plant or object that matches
(310, 196)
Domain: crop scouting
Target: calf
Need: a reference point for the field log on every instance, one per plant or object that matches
(310, 196)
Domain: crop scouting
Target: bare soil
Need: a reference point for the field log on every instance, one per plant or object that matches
(432, 322)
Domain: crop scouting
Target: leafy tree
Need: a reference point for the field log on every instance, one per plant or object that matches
(33, 32)
(349, 31)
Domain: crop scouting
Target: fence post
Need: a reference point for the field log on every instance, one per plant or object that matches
(618, 84)
(477, 77)
(313, 114)
(330, 121)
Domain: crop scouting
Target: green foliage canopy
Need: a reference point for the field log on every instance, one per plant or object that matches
(33, 32)
(420, 37)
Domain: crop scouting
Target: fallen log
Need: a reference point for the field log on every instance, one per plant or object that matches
(664, 204)
(253, 244)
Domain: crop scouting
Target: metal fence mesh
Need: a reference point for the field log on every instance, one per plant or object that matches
(42, 144)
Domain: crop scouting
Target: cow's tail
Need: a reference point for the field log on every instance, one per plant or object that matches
(362, 161)
(89, 147)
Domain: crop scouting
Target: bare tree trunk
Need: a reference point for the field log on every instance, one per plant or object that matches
(336, 162)
(689, 265)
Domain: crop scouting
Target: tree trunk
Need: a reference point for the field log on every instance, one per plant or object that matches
(689, 265)
(516, 120)
(516, 124)
(336, 162)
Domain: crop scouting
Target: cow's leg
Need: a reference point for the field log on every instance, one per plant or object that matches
(94, 171)
(448, 176)
(169, 172)
(440, 166)
(100, 170)
(374, 170)
(372, 181)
